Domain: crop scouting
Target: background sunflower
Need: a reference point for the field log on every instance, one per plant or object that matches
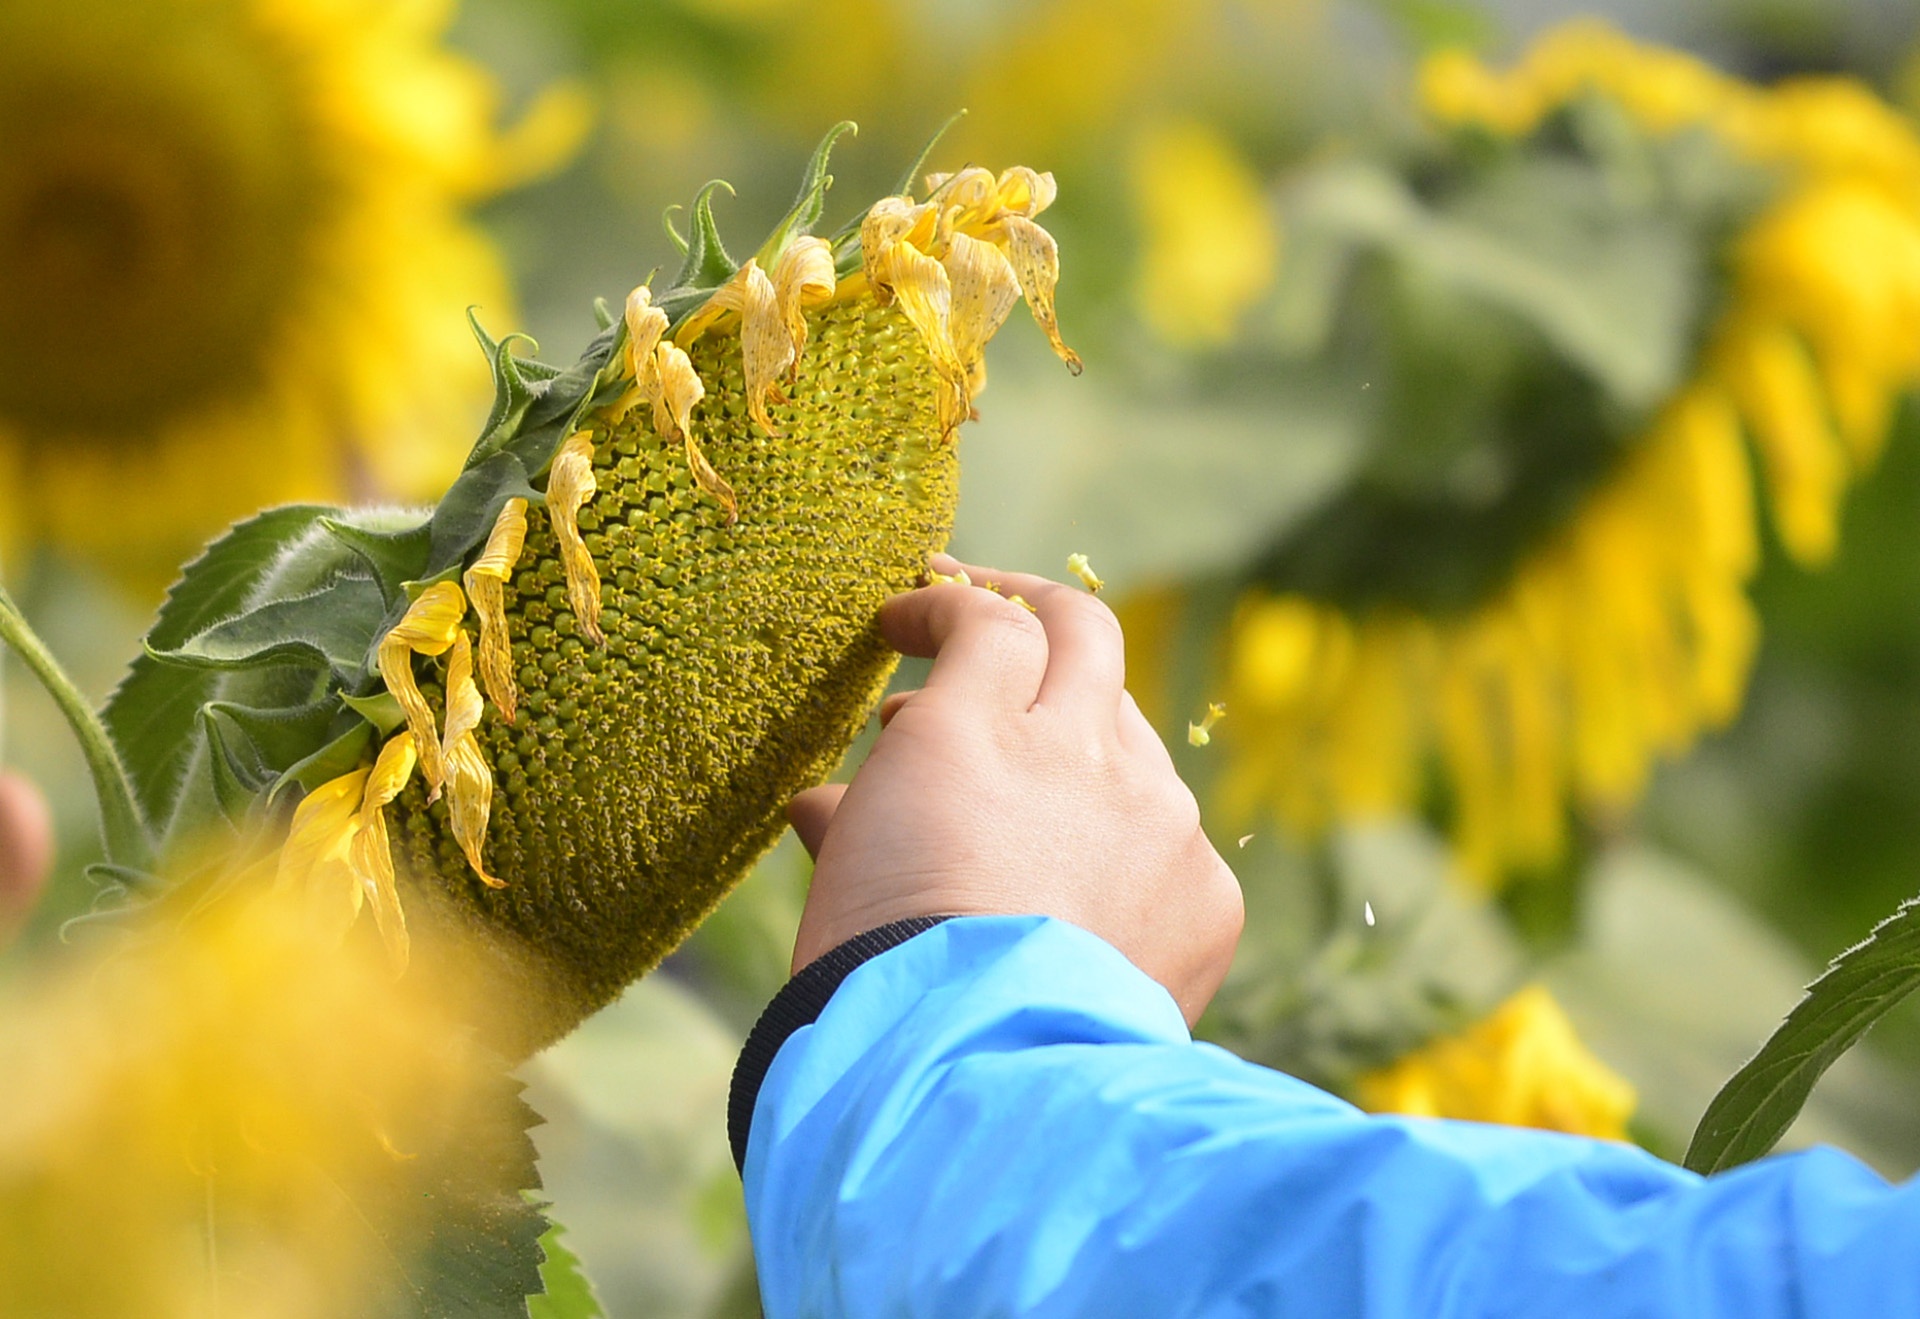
(233, 260)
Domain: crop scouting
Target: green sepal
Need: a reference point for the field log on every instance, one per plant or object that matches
(846, 237)
(811, 201)
(513, 391)
(153, 714)
(674, 236)
(472, 505)
(342, 755)
(1761, 1100)
(330, 628)
(393, 556)
(381, 710)
(708, 266)
(603, 314)
(249, 748)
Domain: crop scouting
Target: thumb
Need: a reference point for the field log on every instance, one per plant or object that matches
(812, 811)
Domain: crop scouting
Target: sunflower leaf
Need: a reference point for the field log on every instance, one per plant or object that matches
(153, 713)
(483, 1253)
(1757, 1105)
(331, 627)
(565, 1292)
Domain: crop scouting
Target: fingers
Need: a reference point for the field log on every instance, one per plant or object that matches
(812, 811)
(1077, 649)
(26, 851)
(984, 648)
(1086, 659)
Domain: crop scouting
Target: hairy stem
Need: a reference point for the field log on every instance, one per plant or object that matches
(121, 827)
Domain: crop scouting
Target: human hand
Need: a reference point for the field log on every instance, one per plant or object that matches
(26, 852)
(1021, 780)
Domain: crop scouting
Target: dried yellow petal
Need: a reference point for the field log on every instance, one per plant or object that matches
(766, 350)
(982, 292)
(646, 326)
(371, 853)
(469, 780)
(1036, 261)
(486, 583)
(676, 390)
(470, 802)
(803, 277)
(570, 484)
(427, 628)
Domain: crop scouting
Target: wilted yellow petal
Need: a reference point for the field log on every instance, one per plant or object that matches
(982, 291)
(766, 349)
(486, 583)
(470, 802)
(888, 222)
(646, 325)
(677, 388)
(1025, 191)
(1036, 261)
(427, 628)
(464, 706)
(802, 277)
(371, 852)
(570, 483)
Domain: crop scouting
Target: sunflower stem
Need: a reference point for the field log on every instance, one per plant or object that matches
(122, 829)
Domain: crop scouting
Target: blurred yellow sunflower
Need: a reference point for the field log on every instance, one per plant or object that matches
(1623, 633)
(1523, 1066)
(233, 262)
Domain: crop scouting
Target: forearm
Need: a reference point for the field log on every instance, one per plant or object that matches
(1002, 1116)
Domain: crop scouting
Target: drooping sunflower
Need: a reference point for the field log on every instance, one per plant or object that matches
(560, 713)
(1625, 301)
(232, 260)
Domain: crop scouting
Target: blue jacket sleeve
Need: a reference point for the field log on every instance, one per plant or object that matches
(1002, 1116)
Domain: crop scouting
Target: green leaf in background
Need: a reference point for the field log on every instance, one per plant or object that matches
(567, 1294)
(1756, 1107)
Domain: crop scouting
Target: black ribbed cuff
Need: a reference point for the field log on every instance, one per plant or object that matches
(798, 1004)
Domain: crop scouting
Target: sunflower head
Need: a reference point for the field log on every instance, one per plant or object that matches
(566, 707)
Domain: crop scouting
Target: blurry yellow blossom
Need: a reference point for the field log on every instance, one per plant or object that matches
(1522, 1067)
(234, 260)
(1208, 241)
(236, 1115)
(1618, 639)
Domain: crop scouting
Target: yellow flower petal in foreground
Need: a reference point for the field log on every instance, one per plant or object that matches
(570, 483)
(469, 781)
(1524, 1066)
(803, 278)
(371, 852)
(486, 583)
(427, 628)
